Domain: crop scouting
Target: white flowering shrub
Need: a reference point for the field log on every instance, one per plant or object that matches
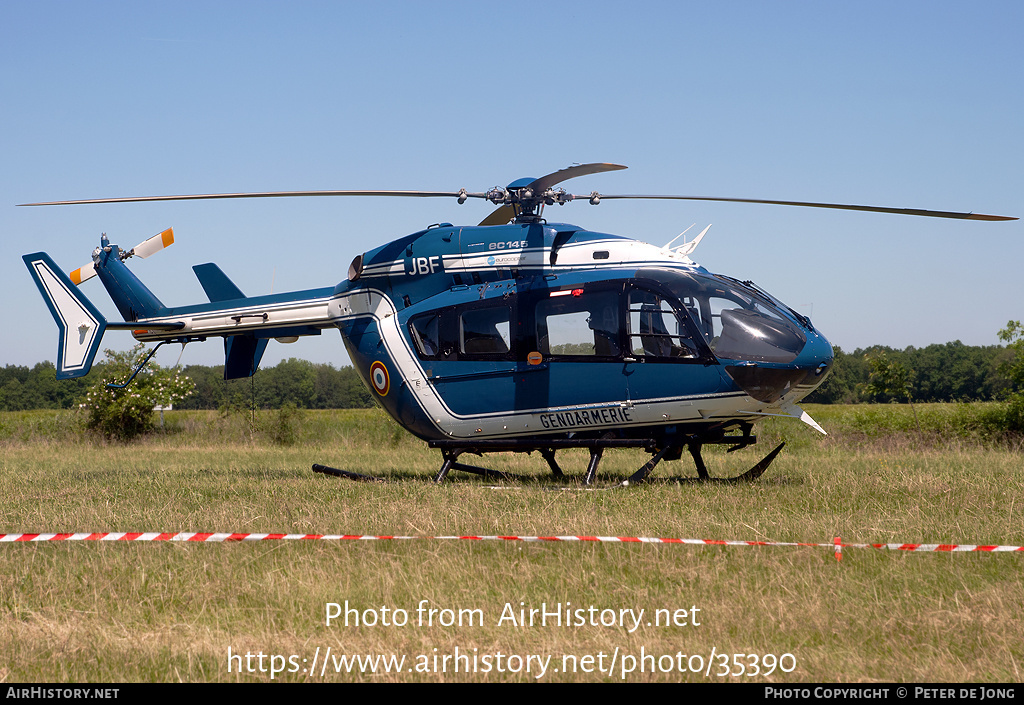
(123, 414)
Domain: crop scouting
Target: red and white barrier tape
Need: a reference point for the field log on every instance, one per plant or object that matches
(836, 544)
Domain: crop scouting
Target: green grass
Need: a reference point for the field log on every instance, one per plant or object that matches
(166, 612)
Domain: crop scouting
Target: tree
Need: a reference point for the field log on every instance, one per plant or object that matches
(1013, 336)
(123, 414)
(890, 379)
(849, 371)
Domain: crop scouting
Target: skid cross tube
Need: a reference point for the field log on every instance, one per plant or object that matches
(641, 474)
(451, 456)
(595, 458)
(549, 455)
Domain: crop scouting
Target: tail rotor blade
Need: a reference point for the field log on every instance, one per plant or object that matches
(83, 273)
(154, 244)
(143, 249)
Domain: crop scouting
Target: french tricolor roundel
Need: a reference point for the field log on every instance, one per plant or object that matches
(379, 378)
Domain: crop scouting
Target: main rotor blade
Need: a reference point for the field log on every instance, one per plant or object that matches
(500, 216)
(265, 194)
(806, 204)
(541, 184)
(546, 182)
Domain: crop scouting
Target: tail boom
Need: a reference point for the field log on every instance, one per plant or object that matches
(246, 323)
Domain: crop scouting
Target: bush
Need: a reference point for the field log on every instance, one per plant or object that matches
(123, 414)
(285, 427)
(1013, 336)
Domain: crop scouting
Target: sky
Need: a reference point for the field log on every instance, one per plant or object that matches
(910, 104)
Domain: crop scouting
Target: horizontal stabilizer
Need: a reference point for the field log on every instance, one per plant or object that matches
(80, 323)
(144, 327)
(216, 283)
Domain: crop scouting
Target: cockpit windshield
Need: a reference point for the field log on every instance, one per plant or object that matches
(738, 322)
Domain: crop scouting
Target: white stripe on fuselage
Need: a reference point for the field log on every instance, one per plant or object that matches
(375, 304)
(572, 256)
(244, 319)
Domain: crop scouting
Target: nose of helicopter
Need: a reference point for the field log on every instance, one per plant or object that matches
(818, 357)
(769, 383)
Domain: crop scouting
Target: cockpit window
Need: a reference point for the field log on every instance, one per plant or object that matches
(655, 329)
(738, 322)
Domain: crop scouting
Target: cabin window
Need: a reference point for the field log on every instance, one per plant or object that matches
(466, 332)
(426, 335)
(485, 331)
(575, 322)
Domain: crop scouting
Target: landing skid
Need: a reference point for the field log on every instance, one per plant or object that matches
(451, 451)
(347, 474)
(702, 472)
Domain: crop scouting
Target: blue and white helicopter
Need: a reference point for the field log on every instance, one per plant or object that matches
(512, 335)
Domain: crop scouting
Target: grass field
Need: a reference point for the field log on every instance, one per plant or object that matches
(88, 611)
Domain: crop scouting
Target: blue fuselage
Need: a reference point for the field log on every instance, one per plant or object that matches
(544, 345)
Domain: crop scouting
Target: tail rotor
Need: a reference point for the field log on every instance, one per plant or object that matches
(144, 249)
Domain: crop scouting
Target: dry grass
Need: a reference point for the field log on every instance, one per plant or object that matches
(166, 612)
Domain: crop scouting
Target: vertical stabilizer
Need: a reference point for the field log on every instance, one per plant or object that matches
(80, 323)
(242, 355)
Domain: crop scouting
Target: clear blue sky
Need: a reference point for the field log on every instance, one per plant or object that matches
(908, 104)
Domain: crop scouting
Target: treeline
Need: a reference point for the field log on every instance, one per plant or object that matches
(946, 372)
(938, 373)
(304, 384)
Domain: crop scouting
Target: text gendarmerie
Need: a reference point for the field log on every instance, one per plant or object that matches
(586, 417)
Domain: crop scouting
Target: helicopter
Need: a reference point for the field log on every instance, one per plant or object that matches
(516, 334)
